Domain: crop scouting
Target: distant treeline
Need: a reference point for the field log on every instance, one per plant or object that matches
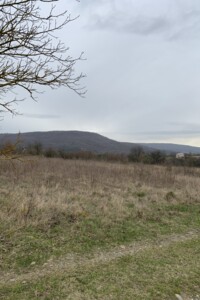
(136, 155)
(158, 157)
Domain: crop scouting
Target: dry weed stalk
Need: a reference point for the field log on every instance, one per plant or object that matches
(43, 192)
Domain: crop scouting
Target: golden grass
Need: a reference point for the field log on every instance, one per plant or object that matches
(43, 191)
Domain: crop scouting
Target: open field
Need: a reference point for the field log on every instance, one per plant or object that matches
(74, 229)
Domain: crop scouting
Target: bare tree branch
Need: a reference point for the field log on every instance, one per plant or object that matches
(30, 54)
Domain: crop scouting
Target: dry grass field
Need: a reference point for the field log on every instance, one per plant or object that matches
(72, 229)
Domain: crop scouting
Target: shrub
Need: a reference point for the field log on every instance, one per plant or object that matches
(157, 157)
(136, 154)
(50, 152)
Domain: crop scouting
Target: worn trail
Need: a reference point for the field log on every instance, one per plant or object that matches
(70, 262)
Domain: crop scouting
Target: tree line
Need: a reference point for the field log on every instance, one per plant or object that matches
(136, 155)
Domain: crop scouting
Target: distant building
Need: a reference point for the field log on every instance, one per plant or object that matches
(180, 155)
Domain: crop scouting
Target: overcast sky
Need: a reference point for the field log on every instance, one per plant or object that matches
(143, 73)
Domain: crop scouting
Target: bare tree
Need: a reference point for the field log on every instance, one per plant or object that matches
(30, 53)
(136, 154)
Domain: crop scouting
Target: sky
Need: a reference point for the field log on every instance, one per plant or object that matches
(143, 73)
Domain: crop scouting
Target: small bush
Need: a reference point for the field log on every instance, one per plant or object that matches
(170, 195)
(50, 152)
(136, 154)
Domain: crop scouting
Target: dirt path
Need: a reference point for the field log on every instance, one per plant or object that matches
(73, 261)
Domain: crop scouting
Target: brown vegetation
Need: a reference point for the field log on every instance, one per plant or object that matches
(42, 191)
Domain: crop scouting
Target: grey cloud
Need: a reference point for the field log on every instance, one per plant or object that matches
(145, 26)
(169, 133)
(187, 25)
(157, 133)
(40, 116)
(185, 124)
(180, 21)
(141, 25)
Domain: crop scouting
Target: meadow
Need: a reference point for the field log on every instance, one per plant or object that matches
(77, 229)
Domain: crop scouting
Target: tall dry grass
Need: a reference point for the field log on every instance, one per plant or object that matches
(44, 192)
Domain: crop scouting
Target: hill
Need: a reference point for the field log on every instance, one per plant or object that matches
(173, 148)
(73, 141)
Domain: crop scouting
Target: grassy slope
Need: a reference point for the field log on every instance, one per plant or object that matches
(51, 208)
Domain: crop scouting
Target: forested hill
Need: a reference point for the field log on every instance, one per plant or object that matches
(173, 148)
(73, 141)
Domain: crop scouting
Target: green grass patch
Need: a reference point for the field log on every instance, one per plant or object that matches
(29, 244)
(155, 273)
